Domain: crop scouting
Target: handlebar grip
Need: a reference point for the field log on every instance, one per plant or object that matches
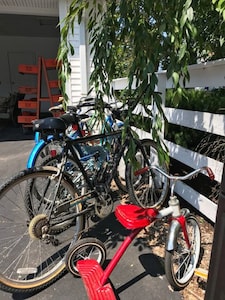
(210, 173)
(87, 99)
(86, 104)
(141, 171)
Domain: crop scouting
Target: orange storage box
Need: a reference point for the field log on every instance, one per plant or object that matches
(28, 69)
(53, 83)
(27, 104)
(26, 119)
(27, 90)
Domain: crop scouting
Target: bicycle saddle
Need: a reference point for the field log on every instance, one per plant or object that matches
(48, 124)
(132, 216)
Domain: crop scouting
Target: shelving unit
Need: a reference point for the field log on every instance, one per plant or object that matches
(31, 105)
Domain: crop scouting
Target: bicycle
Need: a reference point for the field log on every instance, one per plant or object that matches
(77, 126)
(47, 151)
(182, 246)
(44, 209)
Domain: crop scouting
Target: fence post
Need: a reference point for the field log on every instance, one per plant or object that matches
(216, 284)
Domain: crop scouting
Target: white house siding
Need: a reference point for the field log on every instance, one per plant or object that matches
(77, 84)
(75, 80)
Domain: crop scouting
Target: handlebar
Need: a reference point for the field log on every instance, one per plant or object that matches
(87, 102)
(176, 178)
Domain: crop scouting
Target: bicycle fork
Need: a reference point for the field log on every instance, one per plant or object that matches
(175, 225)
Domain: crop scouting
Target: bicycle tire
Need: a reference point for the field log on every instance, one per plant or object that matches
(29, 261)
(38, 197)
(87, 248)
(120, 177)
(151, 188)
(71, 168)
(180, 263)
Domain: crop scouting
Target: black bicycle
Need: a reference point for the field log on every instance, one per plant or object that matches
(44, 209)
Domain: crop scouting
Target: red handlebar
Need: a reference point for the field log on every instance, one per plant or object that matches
(210, 173)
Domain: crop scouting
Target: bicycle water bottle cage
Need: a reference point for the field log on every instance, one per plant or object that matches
(49, 126)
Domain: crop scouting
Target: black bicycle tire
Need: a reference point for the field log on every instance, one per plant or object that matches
(32, 285)
(121, 182)
(89, 241)
(130, 183)
(169, 271)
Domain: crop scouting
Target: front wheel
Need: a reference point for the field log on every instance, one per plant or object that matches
(181, 262)
(150, 188)
(87, 248)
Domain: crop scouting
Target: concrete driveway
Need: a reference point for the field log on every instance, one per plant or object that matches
(139, 274)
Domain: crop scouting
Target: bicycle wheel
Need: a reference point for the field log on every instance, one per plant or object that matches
(71, 168)
(32, 249)
(180, 264)
(87, 248)
(150, 188)
(52, 146)
(120, 177)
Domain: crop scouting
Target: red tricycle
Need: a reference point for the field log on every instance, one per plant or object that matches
(85, 257)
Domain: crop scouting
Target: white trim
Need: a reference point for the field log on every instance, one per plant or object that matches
(207, 122)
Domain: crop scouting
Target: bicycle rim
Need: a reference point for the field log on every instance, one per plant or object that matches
(149, 189)
(87, 248)
(28, 261)
(180, 264)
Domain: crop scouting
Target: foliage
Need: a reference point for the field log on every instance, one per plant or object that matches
(212, 101)
(149, 33)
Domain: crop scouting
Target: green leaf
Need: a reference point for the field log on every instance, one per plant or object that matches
(182, 51)
(190, 13)
(175, 77)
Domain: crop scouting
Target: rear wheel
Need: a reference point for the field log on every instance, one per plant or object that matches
(32, 244)
(150, 188)
(120, 177)
(50, 148)
(87, 248)
(180, 264)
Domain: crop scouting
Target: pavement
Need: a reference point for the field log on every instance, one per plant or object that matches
(138, 275)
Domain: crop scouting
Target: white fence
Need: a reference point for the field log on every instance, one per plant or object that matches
(211, 74)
